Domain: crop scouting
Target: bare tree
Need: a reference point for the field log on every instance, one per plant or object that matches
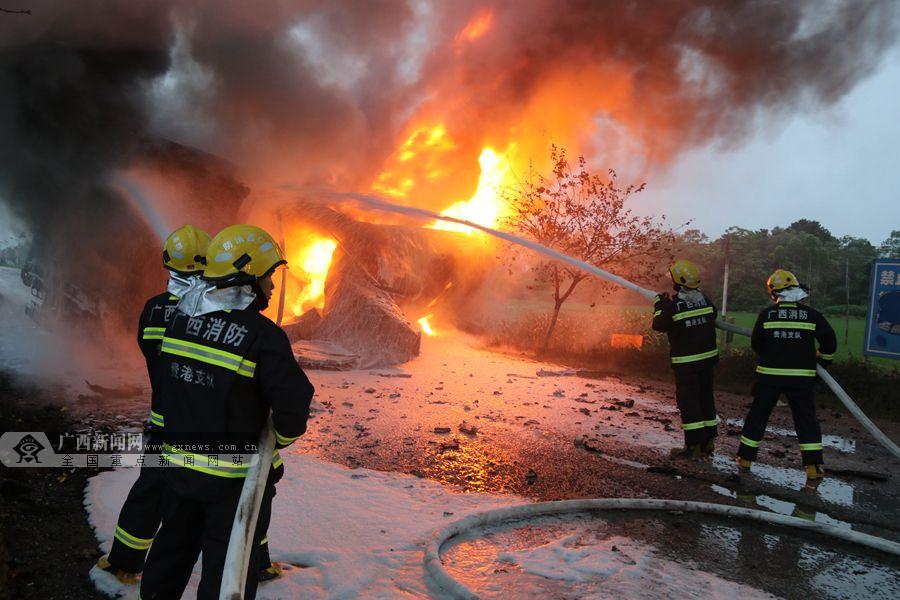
(583, 215)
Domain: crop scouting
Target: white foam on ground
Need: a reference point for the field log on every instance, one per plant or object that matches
(360, 532)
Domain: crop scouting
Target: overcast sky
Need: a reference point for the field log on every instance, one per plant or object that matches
(840, 167)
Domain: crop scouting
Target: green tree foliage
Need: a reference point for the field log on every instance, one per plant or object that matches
(584, 216)
(890, 248)
(811, 227)
(809, 250)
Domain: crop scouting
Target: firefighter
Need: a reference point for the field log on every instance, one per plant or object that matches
(689, 320)
(785, 337)
(184, 255)
(223, 367)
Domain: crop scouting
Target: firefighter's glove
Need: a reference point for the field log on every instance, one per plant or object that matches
(825, 362)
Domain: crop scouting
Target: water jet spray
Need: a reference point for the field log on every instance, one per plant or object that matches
(142, 205)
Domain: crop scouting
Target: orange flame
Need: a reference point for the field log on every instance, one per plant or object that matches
(426, 326)
(311, 261)
(486, 206)
(427, 145)
(477, 27)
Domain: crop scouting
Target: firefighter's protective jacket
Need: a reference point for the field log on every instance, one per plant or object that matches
(691, 328)
(157, 313)
(219, 375)
(785, 337)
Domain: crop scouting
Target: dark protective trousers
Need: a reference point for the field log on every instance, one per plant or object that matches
(138, 521)
(803, 409)
(694, 395)
(191, 527)
(139, 518)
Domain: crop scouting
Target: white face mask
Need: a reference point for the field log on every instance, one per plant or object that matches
(203, 297)
(794, 294)
(688, 295)
(179, 284)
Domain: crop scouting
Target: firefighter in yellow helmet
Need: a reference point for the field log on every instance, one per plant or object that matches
(184, 255)
(689, 320)
(184, 252)
(223, 367)
(785, 338)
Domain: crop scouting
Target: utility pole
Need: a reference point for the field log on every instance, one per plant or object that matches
(725, 339)
(280, 315)
(847, 287)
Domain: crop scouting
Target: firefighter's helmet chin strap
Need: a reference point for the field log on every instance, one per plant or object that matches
(259, 303)
(792, 294)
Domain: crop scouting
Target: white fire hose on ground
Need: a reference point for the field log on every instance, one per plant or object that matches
(240, 544)
(435, 568)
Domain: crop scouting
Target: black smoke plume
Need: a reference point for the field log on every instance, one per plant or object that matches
(320, 91)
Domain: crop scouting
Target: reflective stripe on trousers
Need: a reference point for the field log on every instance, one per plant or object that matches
(694, 357)
(786, 372)
(132, 541)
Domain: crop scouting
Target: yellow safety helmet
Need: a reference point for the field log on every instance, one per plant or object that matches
(242, 254)
(781, 280)
(685, 273)
(185, 250)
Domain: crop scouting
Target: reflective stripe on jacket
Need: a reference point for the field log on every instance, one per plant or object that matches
(785, 338)
(157, 312)
(691, 329)
(220, 374)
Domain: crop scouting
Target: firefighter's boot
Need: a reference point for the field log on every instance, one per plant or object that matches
(273, 571)
(689, 451)
(814, 472)
(709, 447)
(744, 465)
(126, 577)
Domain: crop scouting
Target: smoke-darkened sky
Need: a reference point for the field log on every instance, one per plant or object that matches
(323, 92)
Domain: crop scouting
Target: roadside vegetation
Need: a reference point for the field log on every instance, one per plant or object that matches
(583, 340)
(584, 215)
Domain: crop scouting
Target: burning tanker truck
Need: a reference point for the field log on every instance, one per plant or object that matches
(380, 281)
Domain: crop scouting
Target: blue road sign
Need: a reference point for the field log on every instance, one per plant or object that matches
(883, 316)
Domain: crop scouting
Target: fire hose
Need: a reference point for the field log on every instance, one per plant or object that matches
(842, 395)
(240, 544)
(826, 377)
(435, 568)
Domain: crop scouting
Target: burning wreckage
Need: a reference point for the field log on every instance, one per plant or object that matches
(377, 283)
(356, 295)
